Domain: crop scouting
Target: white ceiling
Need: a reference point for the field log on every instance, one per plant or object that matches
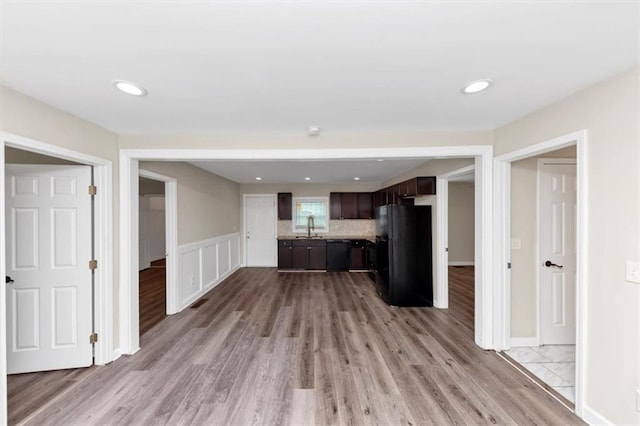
(321, 171)
(279, 67)
(282, 66)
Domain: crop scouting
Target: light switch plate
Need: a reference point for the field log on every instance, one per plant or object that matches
(516, 244)
(633, 272)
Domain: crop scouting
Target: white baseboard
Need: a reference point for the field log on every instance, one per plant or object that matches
(462, 263)
(524, 341)
(592, 417)
(115, 355)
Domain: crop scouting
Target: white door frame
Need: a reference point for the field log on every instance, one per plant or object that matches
(171, 235)
(274, 197)
(502, 229)
(129, 158)
(442, 235)
(103, 296)
(541, 162)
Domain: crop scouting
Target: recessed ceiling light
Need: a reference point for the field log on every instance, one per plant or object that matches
(356, 178)
(129, 88)
(476, 86)
(380, 160)
(258, 178)
(307, 178)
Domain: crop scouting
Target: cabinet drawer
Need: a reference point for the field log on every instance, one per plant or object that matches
(309, 243)
(285, 243)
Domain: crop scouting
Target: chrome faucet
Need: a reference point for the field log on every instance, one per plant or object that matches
(311, 225)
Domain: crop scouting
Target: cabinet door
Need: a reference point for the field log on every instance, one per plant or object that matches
(285, 257)
(335, 205)
(365, 205)
(284, 205)
(426, 185)
(317, 257)
(378, 199)
(349, 205)
(358, 257)
(300, 257)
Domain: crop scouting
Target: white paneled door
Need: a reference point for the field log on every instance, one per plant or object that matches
(558, 253)
(49, 302)
(260, 220)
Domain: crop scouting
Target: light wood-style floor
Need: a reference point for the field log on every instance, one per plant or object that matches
(273, 348)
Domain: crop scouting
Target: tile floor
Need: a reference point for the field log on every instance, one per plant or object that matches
(553, 364)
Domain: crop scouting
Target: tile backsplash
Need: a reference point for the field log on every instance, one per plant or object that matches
(342, 228)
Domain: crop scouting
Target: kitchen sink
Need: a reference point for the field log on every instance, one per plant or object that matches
(313, 237)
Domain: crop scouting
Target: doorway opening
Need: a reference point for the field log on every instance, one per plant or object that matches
(152, 253)
(460, 246)
(543, 271)
(51, 311)
(541, 263)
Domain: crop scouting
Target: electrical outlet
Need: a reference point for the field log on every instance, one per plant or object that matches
(516, 244)
(633, 272)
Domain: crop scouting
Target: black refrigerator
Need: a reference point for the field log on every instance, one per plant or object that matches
(404, 274)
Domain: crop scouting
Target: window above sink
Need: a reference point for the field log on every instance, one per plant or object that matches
(310, 214)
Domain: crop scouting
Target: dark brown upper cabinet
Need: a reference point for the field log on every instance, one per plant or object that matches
(350, 205)
(365, 205)
(401, 193)
(284, 205)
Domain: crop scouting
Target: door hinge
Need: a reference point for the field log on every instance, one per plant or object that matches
(93, 190)
(93, 338)
(508, 265)
(93, 264)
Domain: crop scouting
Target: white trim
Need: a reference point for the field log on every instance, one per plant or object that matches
(441, 288)
(171, 235)
(539, 234)
(524, 342)
(462, 263)
(197, 275)
(592, 417)
(502, 165)
(243, 248)
(484, 223)
(103, 297)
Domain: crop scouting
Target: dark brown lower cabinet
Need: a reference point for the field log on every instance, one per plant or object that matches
(358, 255)
(285, 254)
(302, 254)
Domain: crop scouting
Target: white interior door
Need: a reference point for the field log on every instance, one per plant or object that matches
(260, 220)
(48, 246)
(558, 212)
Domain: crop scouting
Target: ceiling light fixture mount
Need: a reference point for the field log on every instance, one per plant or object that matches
(314, 130)
(476, 86)
(129, 88)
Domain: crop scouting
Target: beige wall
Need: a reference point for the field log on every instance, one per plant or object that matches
(18, 156)
(300, 140)
(461, 222)
(150, 186)
(208, 205)
(431, 168)
(27, 117)
(308, 189)
(610, 112)
(524, 212)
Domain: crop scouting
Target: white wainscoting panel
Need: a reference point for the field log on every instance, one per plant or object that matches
(204, 264)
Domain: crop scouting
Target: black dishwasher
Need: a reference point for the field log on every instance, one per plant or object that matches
(338, 255)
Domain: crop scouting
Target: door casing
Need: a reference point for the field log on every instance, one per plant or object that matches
(502, 246)
(103, 313)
